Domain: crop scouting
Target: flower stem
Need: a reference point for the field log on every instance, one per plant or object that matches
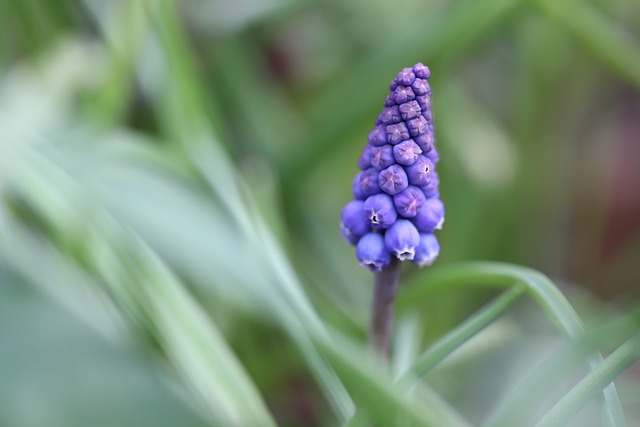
(383, 307)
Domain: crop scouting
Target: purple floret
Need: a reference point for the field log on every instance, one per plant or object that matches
(397, 133)
(407, 152)
(419, 173)
(431, 189)
(389, 101)
(409, 110)
(372, 253)
(393, 179)
(378, 136)
(364, 161)
(424, 102)
(425, 142)
(379, 211)
(430, 216)
(401, 239)
(390, 115)
(382, 157)
(417, 126)
(433, 156)
(365, 184)
(352, 222)
(420, 87)
(427, 250)
(405, 77)
(403, 94)
(421, 71)
(409, 201)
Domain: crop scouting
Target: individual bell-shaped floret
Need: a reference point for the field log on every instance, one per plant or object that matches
(430, 216)
(372, 252)
(427, 250)
(401, 239)
(353, 224)
(379, 211)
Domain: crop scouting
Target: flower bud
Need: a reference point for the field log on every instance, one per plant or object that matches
(401, 239)
(390, 115)
(397, 133)
(382, 157)
(353, 224)
(393, 179)
(407, 152)
(409, 201)
(421, 71)
(403, 94)
(427, 250)
(425, 142)
(365, 184)
(409, 110)
(432, 188)
(405, 77)
(430, 216)
(417, 126)
(378, 136)
(419, 173)
(372, 253)
(379, 211)
(364, 161)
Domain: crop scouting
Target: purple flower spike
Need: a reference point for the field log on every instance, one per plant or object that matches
(397, 133)
(433, 156)
(382, 157)
(410, 110)
(421, 71)
(364, 161)
(378, 136)
(417, 126)
(419, 173)
(427, 250)
(431, 190)
(353, 224)
(365, 184)
(372, 253)
(405, 77)
(430, 216)
(420, 87)
(390, 115)
(379, 211)
(393, 179)
(407, 152)
(401, 239)
(397, 202)
(409, 201)
(403, 94)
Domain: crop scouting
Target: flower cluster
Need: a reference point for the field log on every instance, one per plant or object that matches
(397, 205)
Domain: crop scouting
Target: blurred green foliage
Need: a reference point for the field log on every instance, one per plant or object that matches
(171, 174)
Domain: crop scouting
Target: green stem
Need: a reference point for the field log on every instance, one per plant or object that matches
(383, 307)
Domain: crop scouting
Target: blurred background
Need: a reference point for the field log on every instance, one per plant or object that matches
(145, 138)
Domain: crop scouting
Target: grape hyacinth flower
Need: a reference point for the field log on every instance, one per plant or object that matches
(396, 206)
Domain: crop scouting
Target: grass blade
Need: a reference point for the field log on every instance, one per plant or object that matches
(538, 287)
